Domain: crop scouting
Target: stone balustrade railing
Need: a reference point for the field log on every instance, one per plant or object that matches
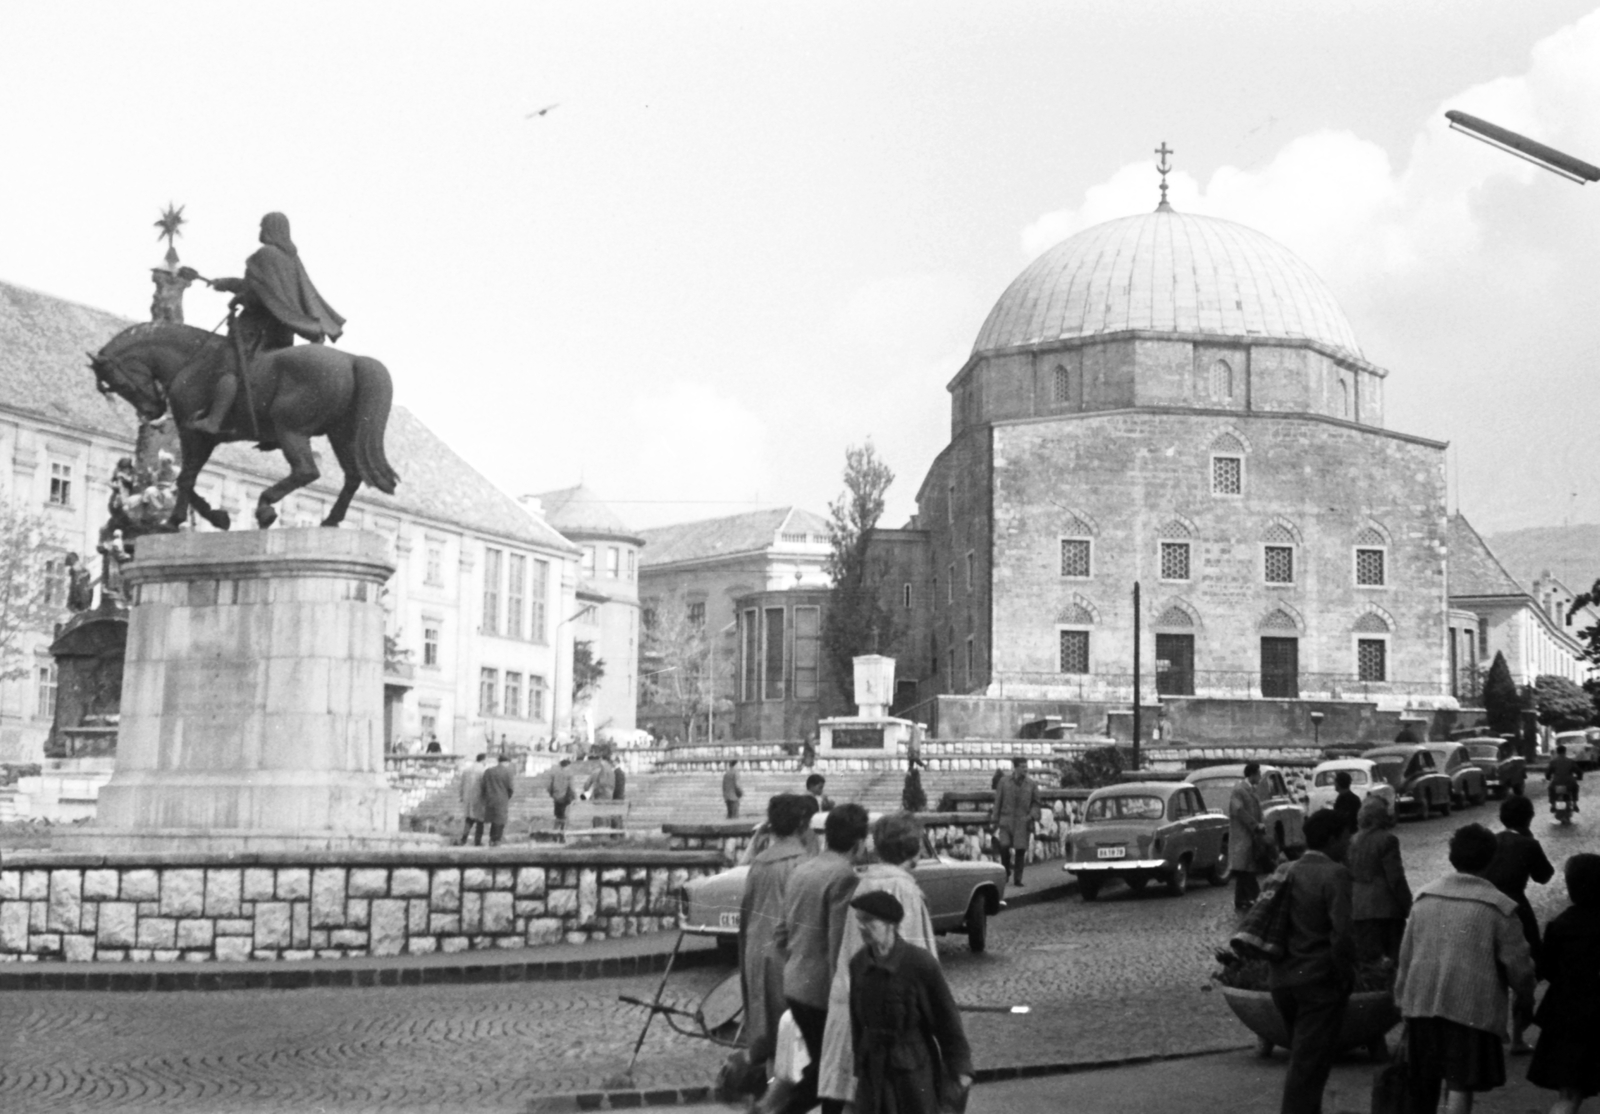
(287, 906)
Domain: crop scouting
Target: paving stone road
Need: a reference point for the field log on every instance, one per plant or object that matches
(1124, 976)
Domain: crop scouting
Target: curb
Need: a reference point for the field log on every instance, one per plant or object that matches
(686, 1096)
(473, 968)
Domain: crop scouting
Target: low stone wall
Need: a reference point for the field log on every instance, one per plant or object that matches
(287, 906)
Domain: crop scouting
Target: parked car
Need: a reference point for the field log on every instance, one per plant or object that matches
(1419, 785)
(1467, 783)
(961, 897)
(1363, 782)
(1504, 771)
(1145, 830)
(1283, 816)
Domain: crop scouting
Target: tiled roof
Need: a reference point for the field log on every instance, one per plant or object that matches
(1167, 272)
(1471, 568)
(578, 511)
(718, 537)
(44, 371)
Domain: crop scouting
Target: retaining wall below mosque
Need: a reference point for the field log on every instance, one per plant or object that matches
(288, 906)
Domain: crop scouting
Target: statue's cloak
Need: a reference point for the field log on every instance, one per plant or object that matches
(277, 279)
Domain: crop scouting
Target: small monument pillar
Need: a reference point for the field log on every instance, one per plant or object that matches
(252, 696)
(871, 732)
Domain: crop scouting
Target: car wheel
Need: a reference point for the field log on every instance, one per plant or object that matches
(1223, 870)
(977, 924)
(1089, 888)
(1445, 806)
(1178, 881)
(1137, 882)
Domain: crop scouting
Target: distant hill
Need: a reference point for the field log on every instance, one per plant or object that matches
(1571, 553)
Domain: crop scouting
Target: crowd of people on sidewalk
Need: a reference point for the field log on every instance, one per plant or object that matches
(1464, 953)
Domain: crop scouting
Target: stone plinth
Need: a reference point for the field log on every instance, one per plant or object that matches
(252, 697)
(863, 736)
(874, 684)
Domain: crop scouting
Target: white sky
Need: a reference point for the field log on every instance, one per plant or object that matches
(752, 234)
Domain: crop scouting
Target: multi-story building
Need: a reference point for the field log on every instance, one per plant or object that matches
(480, 585)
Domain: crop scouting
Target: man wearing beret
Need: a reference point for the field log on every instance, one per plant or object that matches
(911, 1052)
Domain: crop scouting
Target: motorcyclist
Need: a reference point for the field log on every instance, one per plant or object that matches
(1563, 771)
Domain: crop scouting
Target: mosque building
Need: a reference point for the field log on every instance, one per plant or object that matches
(1175, 402)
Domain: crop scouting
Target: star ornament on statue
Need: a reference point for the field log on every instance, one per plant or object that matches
(543, 111)
(170, 223)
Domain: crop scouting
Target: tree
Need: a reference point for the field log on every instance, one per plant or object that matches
(1501, 700)
(31, 600)
(587, 670)
(1562, 704)
(857, 622)
(675, 668)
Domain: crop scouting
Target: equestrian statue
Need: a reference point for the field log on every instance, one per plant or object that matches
(256, 384)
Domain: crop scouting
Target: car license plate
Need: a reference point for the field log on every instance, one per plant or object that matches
(1112, 852)
(728, 920)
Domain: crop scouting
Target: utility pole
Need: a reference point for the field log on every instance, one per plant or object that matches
(1136, 694)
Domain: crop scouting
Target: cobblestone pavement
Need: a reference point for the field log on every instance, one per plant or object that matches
(1124, 976)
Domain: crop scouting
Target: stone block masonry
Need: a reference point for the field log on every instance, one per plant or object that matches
(323, 904)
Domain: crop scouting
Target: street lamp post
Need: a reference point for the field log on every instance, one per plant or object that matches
(1316, 729)
(1557, 162)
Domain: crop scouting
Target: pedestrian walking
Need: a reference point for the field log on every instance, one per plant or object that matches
(561, 791)
(816, 907)
(1463, 952)
(1518, 860)
(1567, 1059)
(808, 752)
(911, 1053)
(1311, 983)
(731, 792)
(1346, 805)
(1380, 896)
(1016, 810)
(497, 788)
(815, 784)
(472, 800)
(912, 796)
(1246, 837)
(602, 787)
(896, 841)
(760, 917)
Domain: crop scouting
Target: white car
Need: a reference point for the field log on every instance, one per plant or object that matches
(1362, 783)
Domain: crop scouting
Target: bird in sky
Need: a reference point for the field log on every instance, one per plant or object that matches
(547, 108)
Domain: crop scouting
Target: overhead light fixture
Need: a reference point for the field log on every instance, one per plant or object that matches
(1557, 162)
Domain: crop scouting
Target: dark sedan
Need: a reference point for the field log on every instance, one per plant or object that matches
(1504, 771)
(1419, 785)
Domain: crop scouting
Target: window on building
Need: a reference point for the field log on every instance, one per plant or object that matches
(55, 582)
(613, 561)
(1372, 659)
(1344, 399)
(1280, 668)
(1227, 475)
(538, 592)
(649, 618)
(1369, 568)
(1279, 564)
(536, 696)
(950, 666)
(428, 717)
(1483, 641)
(46, 705)
(971, 661)
(433, 570)
(1068, 387)
(972, 561)
(950, 503)
(491, 591)
(906, 596)
(807, 651)
(1074, 651)
(586, 560)
(511, 697)
(1174, 560)
(516, 581)
(950, 585)
(697, 615)
(750, 653)
(1221, 381)
(60, 484)
(633, 564)
(430, 646)
(1075, 557)
(772, 654)
(1175, 664)
(488, 690)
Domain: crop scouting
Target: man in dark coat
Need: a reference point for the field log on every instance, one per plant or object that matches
(1016, 810)
(1563, 771)
(561, 791)
(497, 783)
(1518, 860)
(1346, 805)
(912, 1055)
(277, 301)
(1311, 983)
(1246, 834)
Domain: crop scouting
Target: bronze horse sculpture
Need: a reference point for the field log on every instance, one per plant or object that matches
(293, 395)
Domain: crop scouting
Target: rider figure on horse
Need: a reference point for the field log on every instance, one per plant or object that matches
(276, 301)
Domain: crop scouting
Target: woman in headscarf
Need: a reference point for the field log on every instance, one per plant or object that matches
(897, 841)
(1380, 896)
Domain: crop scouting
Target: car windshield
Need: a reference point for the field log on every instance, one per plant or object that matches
(1324, 778)
(1482, 750)
(1124, 808)
(1216, 791)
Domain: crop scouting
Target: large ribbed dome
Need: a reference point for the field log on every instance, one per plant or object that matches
(1167, 272)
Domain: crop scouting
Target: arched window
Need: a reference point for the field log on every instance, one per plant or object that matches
(1344, 398)
(1221, 380)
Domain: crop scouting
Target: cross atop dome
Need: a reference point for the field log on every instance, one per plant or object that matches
(1165, 168)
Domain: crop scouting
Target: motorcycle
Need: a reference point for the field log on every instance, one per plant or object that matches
(1561, 803)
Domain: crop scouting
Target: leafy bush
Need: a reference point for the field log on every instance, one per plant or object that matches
(1093, 768)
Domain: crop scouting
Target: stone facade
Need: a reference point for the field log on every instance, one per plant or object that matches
(131, 908)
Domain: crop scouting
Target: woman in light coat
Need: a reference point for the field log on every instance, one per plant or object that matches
(1246, 825)
(1380, 896)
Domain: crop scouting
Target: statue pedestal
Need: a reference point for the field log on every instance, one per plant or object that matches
(252, 696)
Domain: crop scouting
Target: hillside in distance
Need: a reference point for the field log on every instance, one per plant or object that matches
(1571, 553)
